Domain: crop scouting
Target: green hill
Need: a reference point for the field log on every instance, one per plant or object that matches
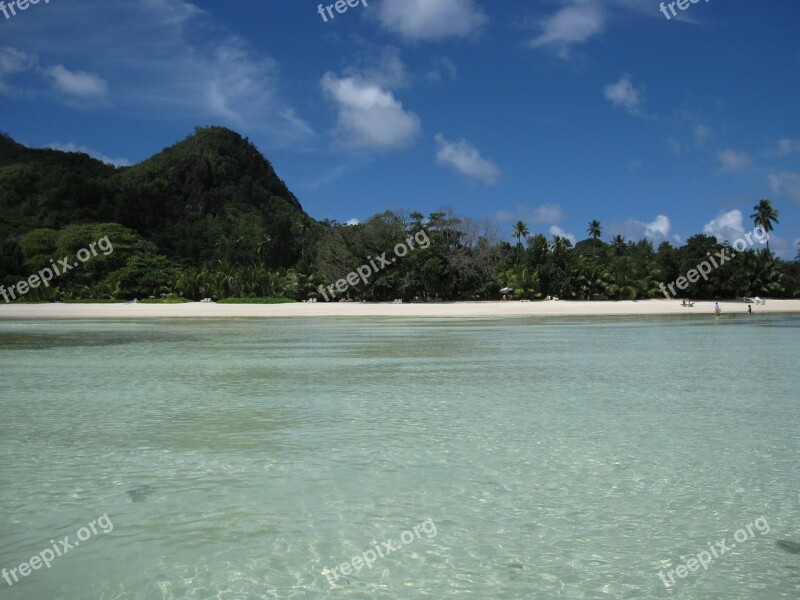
(49, 188)
(210, 196)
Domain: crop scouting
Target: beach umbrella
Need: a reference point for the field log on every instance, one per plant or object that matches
(506, 290)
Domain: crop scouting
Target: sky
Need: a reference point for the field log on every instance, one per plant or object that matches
(553, 112)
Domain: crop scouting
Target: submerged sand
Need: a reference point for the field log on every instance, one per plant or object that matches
(437, 310)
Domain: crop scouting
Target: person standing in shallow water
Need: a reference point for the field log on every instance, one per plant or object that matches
(749, 310)
(717, 311)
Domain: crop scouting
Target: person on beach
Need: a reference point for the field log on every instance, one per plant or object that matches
(749, 310)
(717, 311)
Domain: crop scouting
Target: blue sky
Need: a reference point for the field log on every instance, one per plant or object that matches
(555, 112)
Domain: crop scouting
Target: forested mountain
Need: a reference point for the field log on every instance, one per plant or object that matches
(49, 188)
(212, 190)
(209, 217)
(208, 203)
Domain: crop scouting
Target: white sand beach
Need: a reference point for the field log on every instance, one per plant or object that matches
(435, 310)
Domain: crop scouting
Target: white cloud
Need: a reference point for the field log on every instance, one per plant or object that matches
(442, 68)
(556, 231)
(370, 117)
(623, 93)
(78, 84)
(785, 184)
(296, 122)
(546, 213)
(785, 146)
(581, 20)
(465, 158)
(353, 222)
(165, 57)
(733, 160)
(234, 78)
(658, 230)
(702, 133)
(574, 24)
(173, 12)
(381, 66)
(329, 173)
(727, 226)
(431, 19)
(13, 61)
(227, 79)
(76, 87)
(674, 145)
(70, 147)
(730, 226)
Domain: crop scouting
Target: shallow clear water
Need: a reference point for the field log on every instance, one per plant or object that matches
(557, 458)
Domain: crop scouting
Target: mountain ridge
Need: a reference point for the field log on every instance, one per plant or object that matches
(209, 186)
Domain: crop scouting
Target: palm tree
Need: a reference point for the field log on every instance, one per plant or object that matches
(300, 230)
(417, 218)
(520, 231)
(263, 248)
(619, 245)
(594, 231)
(764, 216)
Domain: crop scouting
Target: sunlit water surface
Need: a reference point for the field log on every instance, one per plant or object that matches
(238, 459)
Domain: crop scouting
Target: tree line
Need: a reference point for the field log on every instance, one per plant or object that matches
(467, 260)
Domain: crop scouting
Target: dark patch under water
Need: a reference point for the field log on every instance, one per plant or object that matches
(792, 547)
(141, 493)
(48, 341)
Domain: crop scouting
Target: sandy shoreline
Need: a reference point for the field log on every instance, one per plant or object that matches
(444, 310)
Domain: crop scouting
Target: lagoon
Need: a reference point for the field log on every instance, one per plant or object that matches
(557, 457)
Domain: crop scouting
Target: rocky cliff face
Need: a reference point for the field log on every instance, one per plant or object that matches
(192, 183)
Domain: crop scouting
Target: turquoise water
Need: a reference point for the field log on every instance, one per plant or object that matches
(238, 459)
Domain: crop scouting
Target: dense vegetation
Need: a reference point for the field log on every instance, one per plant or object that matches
(209, 218)
(466, 261)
